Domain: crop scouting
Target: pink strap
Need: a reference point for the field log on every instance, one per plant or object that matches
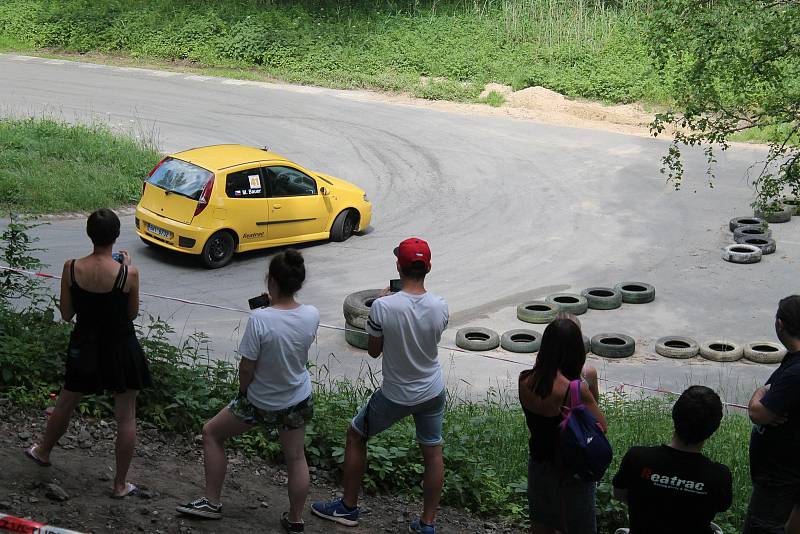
(575, 393)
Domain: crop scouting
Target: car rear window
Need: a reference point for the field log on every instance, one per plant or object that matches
(181, 177)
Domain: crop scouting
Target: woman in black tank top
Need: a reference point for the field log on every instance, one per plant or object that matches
(103, 354)
(557, 502)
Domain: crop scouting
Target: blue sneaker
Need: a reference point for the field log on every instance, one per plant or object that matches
(418, 526)
(336, 511)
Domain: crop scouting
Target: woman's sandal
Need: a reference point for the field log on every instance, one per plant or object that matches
(130, 491)
(30, 452)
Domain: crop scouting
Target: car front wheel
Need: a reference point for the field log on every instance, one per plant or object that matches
(218, 250)
(343, 226)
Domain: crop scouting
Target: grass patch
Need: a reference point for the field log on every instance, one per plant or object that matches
(485, 442)
(494, 99)
(48, 166)
(591, 49)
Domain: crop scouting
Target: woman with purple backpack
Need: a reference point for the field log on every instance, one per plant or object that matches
(558, 501)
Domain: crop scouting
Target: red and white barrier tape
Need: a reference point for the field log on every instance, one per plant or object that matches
(619, 385)
(16, 524)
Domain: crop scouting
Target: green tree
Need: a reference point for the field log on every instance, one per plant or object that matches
(732, 66)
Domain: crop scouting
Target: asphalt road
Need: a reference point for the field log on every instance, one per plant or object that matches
(513, 210)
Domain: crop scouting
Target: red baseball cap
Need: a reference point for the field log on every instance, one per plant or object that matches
(411, 250)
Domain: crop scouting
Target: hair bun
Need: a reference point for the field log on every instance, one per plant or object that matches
(293, 257)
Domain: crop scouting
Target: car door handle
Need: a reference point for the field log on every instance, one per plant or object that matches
(276, 206)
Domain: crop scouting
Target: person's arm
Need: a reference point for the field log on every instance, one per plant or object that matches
(726, 497)
(588, 399)
(375, 347)
(249, 350)
(375, 329)
(759, 413)
(793, 525)
(590, 374)
(65, 302)
(133, 291)
(620, 480)
(247, 371)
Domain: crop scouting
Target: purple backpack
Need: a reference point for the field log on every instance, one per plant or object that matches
(585, 450)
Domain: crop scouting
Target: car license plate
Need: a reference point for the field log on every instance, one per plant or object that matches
(166, 234)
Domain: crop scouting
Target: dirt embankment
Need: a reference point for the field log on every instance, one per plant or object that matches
(168, 467)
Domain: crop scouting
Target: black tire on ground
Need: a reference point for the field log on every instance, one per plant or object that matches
(613, 345)
(569, 302)
(602, 298)
(218, 250)
(343, 226)
(636, 292)
(784, 214)
(738, 222)
(764, 352)
(751, 231)
(721, 351)
(741, 253)
(477, 338)
(356, 307)
(356, 337)
(521, 340)
(677, 347)
(766, 244)
(537, 311)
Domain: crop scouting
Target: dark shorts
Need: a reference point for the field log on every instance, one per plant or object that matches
(563, 503)
(769, 509)
(290, 418)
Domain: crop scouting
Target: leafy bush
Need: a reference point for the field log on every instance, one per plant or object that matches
(581, 48)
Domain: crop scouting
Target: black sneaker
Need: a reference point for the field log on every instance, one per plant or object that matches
(201, 508)
(288, 526)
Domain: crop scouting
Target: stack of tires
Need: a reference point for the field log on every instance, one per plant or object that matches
(752, 235)
(356, 310)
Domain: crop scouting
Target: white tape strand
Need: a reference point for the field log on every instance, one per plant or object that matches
(341, 329)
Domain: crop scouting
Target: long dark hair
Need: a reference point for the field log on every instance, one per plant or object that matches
(561, 343)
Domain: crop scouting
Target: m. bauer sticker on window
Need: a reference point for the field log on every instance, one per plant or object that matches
(255, 181)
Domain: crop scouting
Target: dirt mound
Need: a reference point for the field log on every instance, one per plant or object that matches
(500, 89)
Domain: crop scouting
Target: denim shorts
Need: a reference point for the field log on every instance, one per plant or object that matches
(383, 413)
(562, 502)
(290, 418)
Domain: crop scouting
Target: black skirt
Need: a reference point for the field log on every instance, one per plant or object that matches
(99, 363)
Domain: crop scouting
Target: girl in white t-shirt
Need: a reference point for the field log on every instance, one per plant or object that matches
(274, 390)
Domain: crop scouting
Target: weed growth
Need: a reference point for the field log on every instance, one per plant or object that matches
(50, 166)
(587, 48)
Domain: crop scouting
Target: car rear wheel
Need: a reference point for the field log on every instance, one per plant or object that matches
(218, 250)
(343, 226)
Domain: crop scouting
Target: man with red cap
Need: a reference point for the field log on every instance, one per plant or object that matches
(406, 328)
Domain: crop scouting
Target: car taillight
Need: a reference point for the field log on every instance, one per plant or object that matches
(202, 202)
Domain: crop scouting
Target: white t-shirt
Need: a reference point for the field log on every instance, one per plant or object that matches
(278, 340)
(411, 327)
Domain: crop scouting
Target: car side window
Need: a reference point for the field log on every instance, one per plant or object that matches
(288, 182)
(245, 184)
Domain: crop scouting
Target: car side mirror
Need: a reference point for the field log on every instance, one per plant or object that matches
(324, 191)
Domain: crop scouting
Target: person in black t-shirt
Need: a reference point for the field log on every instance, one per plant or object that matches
(775, 440)
(673, 488)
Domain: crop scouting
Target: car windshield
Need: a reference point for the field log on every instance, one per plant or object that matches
(181, 177)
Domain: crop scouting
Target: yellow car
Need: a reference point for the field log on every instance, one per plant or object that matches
(217, 200)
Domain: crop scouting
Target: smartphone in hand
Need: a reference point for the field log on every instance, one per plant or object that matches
(395, 285)
(261, 301)
(117, 256)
